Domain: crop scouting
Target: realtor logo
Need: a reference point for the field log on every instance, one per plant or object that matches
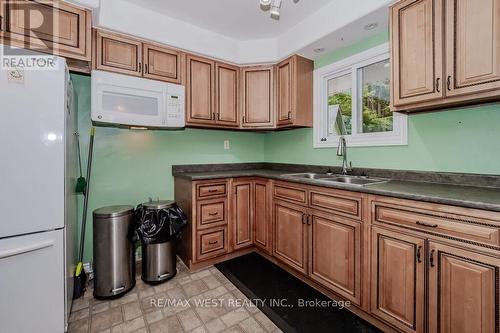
(28, 24)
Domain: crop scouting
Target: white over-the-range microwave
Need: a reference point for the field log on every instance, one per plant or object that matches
(126, 101)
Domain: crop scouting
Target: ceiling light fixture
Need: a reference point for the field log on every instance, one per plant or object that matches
(275, 9)
(273, 6)
(371, 26)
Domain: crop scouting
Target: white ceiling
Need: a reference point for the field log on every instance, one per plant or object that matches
(240, 32)
(238, 19)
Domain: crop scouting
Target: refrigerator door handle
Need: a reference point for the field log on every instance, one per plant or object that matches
(21, 250)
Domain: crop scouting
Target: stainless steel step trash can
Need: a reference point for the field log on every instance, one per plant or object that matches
(114, 261)
(159, 222)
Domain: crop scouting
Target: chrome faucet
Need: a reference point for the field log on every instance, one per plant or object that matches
(342, 151)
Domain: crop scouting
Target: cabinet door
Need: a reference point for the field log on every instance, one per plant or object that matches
(262, 215)
(120, 54)
(258, 97)
(200, 82)
(416, 51)
(285, 92)
(473, 46)
(242, 223)
(163, 64)
(463, 290)
(227, 90)
(290, 231)
(398, 279)
(334, 257)
(47, 26)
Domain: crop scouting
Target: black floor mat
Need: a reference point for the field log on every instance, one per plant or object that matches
(260, 279)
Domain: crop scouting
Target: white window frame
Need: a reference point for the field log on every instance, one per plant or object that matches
(351, 65)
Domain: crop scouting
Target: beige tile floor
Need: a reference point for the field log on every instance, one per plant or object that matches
(203, 301)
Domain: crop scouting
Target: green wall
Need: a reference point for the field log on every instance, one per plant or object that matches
(460, 140)
(130, 166)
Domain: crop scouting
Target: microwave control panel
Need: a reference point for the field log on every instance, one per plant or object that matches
(175, 115)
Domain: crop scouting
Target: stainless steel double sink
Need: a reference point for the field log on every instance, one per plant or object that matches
(341, 179)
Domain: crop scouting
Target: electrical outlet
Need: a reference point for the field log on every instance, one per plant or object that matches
(227, 145)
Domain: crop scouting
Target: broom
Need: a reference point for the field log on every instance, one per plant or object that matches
(80, 276)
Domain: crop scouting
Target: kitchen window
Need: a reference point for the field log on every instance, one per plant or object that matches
(351, 98)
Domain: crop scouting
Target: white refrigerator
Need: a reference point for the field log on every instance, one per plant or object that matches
(38, 214)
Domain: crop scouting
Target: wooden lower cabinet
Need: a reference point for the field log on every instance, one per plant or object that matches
(335, 254)
(397, 274)
(242, 216)
(290, 235)
(262, 235)
(211, 243)
(398, 279)
(463, 290)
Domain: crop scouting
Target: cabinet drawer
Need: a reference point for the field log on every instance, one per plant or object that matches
(211, 243)
(211, 189)
(290, 193)
(340, 202)
(211, 213)
(447, 224)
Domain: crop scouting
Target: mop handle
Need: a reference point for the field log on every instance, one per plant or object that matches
(87, 192)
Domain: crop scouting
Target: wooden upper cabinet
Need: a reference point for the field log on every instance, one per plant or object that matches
(258, 97)
(398, 279)
(163, 64)
(227, 80)
(294, 81)
(200, 83)
(463, 291)
(49, 26)
(473, 46)
(117, 53)
(242, 218)
(284, 92)
(290, 235)
(262, 215)
(335, 256)
(416, 52)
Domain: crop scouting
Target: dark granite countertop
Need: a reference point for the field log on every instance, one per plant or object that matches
(487, 198)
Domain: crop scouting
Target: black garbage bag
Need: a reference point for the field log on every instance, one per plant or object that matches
(156, 226)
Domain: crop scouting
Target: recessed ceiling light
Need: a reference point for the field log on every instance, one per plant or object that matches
(371, 26)
(319, 50)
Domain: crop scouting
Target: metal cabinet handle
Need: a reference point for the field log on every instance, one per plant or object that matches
(289, 115)
(140, 67)
(303, 218)
(213, 242)
(213, 214)
(146, 69)
(218, 115)
(438, 85)
(309, 218)
(212, 191)
(426, 224)
(419, 254)
(431, 258)
(448, 83)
